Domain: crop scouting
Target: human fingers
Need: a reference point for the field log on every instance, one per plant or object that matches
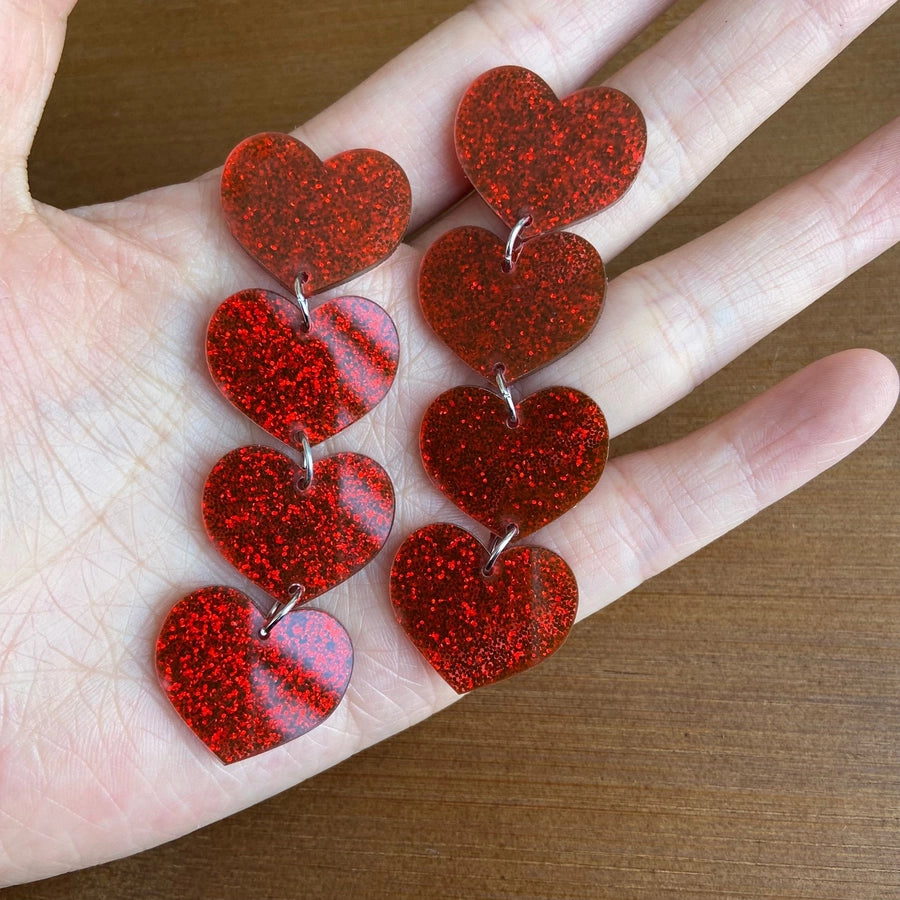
(703, 88)
(32, 36)
(654, 508)
(674, 321)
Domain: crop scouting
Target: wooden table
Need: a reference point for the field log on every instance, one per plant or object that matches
(731, 728)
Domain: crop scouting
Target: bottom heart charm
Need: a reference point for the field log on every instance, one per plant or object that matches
(475, 629)
(240, 693)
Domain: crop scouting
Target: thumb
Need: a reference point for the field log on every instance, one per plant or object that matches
(31, 40)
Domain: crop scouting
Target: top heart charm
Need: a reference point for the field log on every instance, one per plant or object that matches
(323, 222)
(530, 154)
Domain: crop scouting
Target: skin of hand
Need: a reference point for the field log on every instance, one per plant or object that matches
(111, 423)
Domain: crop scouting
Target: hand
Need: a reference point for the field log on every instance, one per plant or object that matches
(111, 424)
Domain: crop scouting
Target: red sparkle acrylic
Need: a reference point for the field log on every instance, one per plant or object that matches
(242, 694)
(527, 475)
(476, 628)
(520, 317)
(530, 154)
(279, 532)
(294, 381)
(299, 216)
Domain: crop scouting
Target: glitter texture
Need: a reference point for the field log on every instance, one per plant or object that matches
(525, 475)
(292, 382)
(242, 694)
(296, 215)
(476, 629)
(530, 154)
(521, 319)
(278, 533)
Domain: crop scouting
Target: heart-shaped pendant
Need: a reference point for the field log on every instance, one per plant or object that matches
(280, 532)
(520, 317)
(240, 693)
(294, 381)
(476, 628)
(525, 475)
(530, 154)
(324, 222)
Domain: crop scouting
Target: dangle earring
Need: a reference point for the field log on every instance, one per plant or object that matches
(507, 307)
(247, 679)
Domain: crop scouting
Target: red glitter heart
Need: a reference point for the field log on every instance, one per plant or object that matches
(474, 628)
(327, 221)
(293, 382)
(526, 475)
(520, 318)
(279, 533)
(530, 154)
(242, 694)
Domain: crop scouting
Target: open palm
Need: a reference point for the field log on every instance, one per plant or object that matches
(111, 423)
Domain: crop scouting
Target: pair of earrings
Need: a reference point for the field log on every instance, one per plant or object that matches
(246, 679)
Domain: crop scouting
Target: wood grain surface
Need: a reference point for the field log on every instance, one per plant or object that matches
(731, 728)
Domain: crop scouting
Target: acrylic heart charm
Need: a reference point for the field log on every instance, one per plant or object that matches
(475, 629)
(291, 381)
(279, 531)
(242, 694)
(526, 475)
(520, 317)
(530, 154)
(299, 216)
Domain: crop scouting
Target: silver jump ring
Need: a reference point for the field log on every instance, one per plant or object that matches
(279, 611)
(499, 542)
(307, 460)
(300, 296)
(506, 394)
(511, 254)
